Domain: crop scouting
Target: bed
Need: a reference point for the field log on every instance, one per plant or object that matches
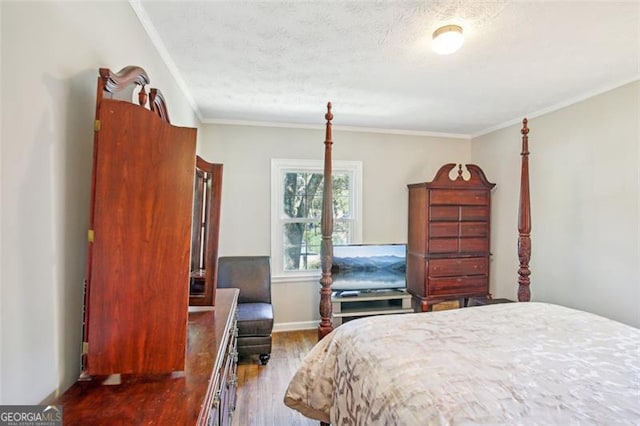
(512, 363)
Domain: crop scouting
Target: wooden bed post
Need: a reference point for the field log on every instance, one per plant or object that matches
(326, 225)
(524, 221)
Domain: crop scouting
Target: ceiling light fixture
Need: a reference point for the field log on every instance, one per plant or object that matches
(447, 39)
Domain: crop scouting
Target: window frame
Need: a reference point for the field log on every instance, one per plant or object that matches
(278, 169)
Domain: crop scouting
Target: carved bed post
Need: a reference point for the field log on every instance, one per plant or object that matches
(326, 225)
(524, 221)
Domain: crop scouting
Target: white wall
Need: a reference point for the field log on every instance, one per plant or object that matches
(390, 162)
(51, 52)
(585, 195)
(1, 206)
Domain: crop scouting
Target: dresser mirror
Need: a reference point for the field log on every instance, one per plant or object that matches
(204, 233)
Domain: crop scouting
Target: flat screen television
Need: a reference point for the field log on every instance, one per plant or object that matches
(361, 267)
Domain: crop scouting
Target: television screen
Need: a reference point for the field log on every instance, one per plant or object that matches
(369, 267)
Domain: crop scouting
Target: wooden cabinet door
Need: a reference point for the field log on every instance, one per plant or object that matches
(138, 267)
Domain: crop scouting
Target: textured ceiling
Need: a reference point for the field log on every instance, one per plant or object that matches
(281, 61)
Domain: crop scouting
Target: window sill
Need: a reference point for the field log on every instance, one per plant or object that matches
(295, 278)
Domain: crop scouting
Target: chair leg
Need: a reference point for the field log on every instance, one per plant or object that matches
(264, 358)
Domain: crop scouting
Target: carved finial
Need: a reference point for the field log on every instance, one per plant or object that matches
(328, 116)
(115, 82)
(142, 96)
(525, 138)
(459, 171)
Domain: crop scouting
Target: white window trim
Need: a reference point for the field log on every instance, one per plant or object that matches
(278, 168)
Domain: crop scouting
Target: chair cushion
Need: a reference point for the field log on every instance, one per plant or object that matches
(255, 319)
(250, 274)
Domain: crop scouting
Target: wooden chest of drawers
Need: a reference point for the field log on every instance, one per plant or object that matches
(448, 241)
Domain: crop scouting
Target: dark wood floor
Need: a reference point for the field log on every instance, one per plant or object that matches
(261, 388)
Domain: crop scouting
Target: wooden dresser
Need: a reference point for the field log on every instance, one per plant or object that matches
(203, 394)
(448, 240)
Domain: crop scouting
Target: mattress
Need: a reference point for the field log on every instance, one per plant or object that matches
(516, 363)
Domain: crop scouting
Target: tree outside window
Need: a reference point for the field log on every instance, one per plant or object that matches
(297, 237)
(302, 203)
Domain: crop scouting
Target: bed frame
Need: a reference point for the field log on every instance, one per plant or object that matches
(326, 226)
(524, 220)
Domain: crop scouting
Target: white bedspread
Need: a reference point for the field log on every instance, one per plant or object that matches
(510, 364)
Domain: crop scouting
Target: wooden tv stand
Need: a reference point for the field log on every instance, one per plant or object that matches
(353, 304)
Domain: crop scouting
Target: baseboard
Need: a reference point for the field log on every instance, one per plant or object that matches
(295, 326)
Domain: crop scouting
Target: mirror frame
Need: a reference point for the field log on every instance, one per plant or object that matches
(204, 242)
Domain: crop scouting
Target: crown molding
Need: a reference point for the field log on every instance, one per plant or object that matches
(558, 106)
(321, 126)
(151, 31)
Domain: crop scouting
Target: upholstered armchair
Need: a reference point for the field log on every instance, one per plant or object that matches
(252, 275)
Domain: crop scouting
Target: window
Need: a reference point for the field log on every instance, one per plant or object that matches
(296, 209)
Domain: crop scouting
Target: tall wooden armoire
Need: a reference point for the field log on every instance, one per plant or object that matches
(448, 240)
(136, 297)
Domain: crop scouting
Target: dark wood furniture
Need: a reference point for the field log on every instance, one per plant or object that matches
(481, 301)
(326, 226)
(204, 393)
(524, 220)
(136, 294)
(448, 239)
(205, 233)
